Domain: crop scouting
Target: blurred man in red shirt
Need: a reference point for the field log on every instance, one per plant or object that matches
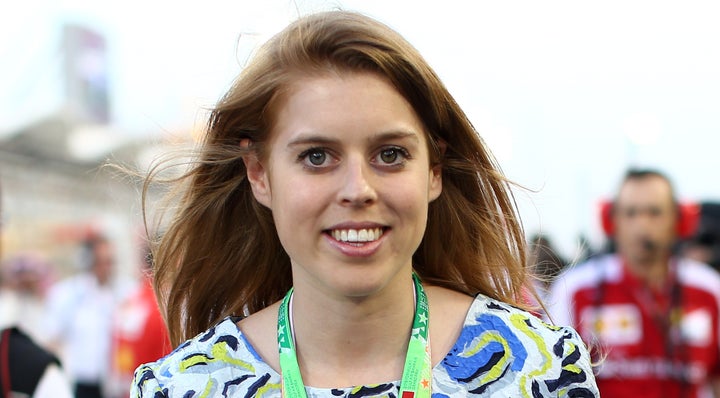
(651, 315)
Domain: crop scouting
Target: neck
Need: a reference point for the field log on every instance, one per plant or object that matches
(654, 273)
(357, 335)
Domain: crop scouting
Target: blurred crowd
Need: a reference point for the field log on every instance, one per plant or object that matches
(98, 326)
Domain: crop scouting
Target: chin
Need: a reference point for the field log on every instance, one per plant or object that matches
(643, 259)
(360, 288)
(363, 284)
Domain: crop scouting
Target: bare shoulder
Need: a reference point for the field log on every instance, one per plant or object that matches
(448, 310)
(260, 329)
(444, 300)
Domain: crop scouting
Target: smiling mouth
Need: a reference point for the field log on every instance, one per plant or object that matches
(356, 235)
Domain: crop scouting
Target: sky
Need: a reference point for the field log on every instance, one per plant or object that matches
(567, 94)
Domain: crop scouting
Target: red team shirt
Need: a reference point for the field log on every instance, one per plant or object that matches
(139, 336)
(655, 343)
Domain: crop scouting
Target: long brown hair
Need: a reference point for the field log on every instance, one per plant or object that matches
(220, 253)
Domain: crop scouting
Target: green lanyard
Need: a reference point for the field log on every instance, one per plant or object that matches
(417, 372)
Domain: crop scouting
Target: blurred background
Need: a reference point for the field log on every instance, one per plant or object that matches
(567, 94)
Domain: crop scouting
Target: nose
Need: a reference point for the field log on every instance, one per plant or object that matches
(357, 185)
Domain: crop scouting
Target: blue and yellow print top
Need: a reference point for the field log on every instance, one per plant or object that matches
(501, 352)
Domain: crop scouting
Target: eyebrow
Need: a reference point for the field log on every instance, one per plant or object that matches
(326, 139)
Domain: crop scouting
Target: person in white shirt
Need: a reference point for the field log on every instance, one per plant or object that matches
(80, 319)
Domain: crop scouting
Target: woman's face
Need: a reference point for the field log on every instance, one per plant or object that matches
(348, 180)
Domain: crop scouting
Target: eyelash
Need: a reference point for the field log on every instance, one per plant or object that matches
(399, 151)
(303, 157)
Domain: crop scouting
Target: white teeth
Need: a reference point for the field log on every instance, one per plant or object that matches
(352, 235)
(355, 235)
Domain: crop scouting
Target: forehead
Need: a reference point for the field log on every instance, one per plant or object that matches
(645, 191)
(102, 248)
(336, 100)
(322, 84)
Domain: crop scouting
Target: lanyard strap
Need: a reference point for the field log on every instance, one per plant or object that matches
(417, 372)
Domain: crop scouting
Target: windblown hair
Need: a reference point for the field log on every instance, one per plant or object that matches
(220, 253)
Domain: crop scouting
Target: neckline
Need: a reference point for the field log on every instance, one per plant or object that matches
(417, 369)
(637, 282)
(478, 300)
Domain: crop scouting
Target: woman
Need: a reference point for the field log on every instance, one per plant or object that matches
(345, 227)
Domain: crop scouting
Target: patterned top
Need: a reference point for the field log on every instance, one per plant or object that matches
(501, 352)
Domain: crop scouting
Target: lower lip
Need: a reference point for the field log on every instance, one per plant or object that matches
(360, 249)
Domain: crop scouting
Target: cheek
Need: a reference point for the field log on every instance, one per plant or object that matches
(671, 227)
(408, 196)
(295, 200)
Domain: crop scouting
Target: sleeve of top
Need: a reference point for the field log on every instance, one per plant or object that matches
(145, 385)
(576, 376)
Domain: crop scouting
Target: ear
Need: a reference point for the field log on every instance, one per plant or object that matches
(257, 175)
(436, 174)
